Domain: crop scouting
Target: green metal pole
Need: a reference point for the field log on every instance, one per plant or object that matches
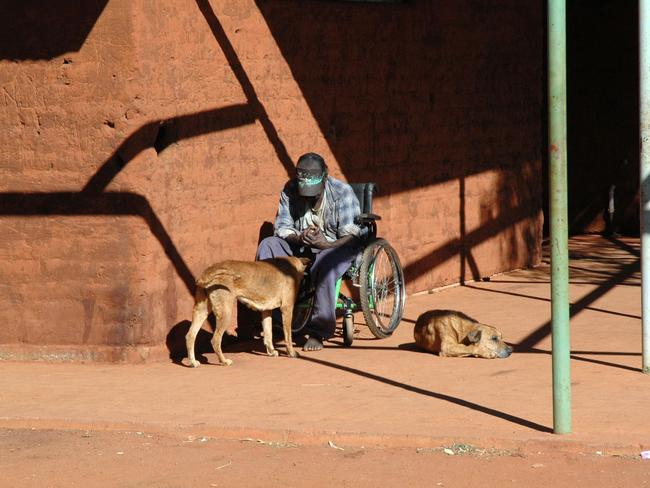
(557, 96)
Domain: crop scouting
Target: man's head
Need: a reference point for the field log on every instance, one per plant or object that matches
(311, 172)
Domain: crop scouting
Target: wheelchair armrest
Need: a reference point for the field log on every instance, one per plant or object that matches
(366, 218)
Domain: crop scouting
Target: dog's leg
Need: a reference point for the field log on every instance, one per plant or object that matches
(287, 318)
(199, 314)
(222, 300)
(453, 349)
(267, 327)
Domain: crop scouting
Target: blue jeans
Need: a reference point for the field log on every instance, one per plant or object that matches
(327, 267)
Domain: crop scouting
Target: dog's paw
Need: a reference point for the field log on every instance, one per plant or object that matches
(226, 362)
(194, 364)
(272, 353)
(293, 354)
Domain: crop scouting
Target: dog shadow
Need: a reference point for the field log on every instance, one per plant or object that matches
(175, 343)
(412, 347)
(177, 348)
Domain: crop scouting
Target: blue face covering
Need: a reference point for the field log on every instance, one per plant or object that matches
(309, 181)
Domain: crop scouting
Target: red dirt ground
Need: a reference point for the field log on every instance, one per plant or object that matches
(138, 459)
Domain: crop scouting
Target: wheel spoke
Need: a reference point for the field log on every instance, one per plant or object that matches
(302, 308)
(382, 288)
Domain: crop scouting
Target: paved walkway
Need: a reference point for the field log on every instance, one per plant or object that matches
(385, 392)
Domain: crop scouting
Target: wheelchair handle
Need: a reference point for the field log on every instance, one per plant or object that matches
(366, 218)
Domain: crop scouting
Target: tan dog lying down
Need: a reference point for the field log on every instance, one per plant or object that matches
(452, 333)
(260, 285)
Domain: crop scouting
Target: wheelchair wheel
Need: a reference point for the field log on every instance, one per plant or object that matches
(303, 306)
(382, 288)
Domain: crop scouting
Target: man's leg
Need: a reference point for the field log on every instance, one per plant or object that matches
(273, 247)
(328, 267)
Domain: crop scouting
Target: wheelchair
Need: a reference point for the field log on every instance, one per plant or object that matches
(376, 271)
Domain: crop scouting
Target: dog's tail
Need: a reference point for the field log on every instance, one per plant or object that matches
(201, 296)
(216, 277)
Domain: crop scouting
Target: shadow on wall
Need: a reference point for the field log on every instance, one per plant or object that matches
(26, 27)
(515, 200)
(92, 199)
(383, 85)
(387, 97)
(396, 126)
(384, 96)
(395, 116)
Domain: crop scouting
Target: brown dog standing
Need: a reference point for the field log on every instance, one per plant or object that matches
(455, 334)
(260, 285)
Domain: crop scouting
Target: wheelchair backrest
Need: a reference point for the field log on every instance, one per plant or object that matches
(364, 192)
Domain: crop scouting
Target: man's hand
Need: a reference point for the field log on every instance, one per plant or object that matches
(313, 237)
(295, 239)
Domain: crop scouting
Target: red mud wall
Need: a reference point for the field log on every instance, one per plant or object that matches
(141, 141)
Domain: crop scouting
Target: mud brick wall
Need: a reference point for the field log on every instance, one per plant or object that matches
(141, 141)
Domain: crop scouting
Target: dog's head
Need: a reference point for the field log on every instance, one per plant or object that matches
(489, 342)
(300, 264)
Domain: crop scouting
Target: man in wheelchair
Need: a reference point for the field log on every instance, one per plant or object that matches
(316, 218)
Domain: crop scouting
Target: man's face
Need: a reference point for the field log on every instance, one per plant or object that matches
(311, 179)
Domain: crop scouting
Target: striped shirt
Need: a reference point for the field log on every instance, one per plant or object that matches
(341, 207)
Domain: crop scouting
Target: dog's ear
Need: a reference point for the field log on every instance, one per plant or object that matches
(305, 261)
(474, 335)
